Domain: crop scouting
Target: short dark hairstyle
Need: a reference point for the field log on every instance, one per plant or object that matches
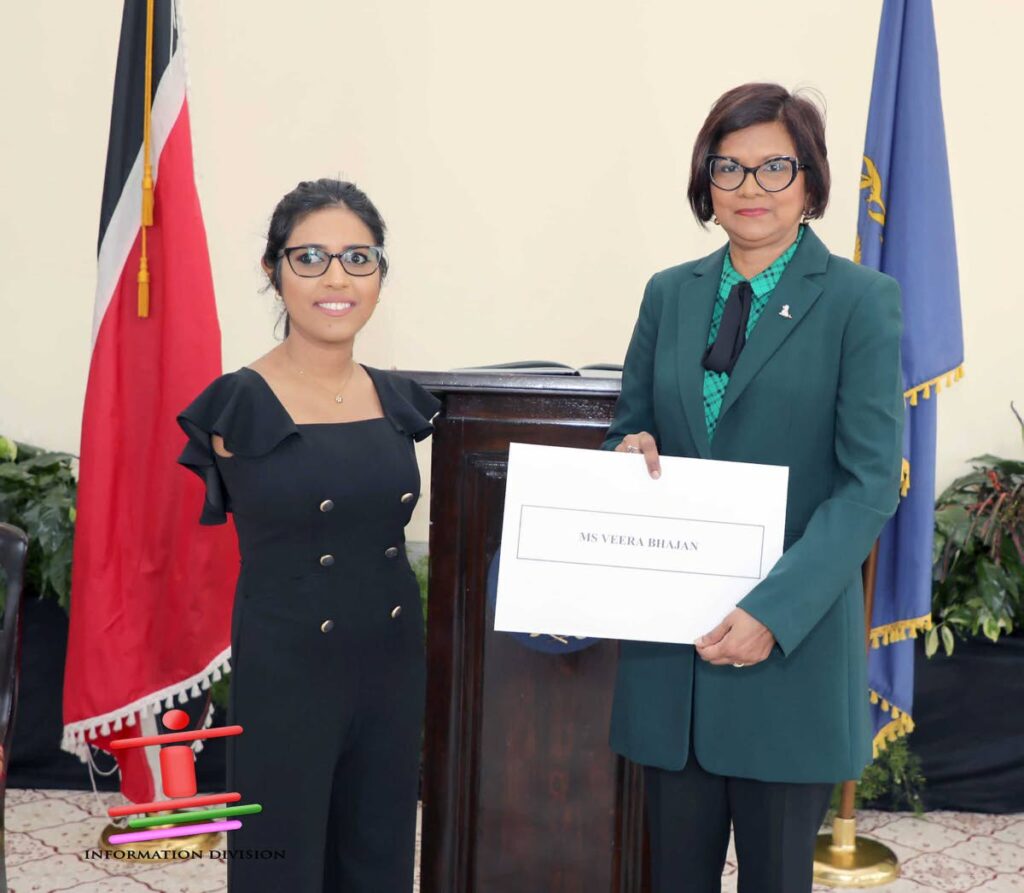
(314, 195)
(751, 104)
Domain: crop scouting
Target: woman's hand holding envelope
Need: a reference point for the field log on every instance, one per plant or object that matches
(739, 639)
(644, 444)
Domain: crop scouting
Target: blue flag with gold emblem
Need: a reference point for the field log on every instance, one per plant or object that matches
(905, 229)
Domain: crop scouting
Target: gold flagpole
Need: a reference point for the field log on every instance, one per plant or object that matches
(147, 170)
(842, 859)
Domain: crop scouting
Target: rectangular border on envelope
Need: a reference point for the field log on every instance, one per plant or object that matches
(554, 508)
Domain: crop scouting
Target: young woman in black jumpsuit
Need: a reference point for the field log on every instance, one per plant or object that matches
(313, 455)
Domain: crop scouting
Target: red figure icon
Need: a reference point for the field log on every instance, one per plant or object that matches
(178, 771)
(177, 764)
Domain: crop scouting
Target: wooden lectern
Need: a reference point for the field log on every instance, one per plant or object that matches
(521, 793)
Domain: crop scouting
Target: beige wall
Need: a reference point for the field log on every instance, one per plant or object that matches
(530, 159)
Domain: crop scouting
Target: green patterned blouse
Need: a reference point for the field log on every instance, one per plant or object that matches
(763, 284)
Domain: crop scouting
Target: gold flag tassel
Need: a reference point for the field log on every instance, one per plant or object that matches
(899, 631)
(901, 724)
(924, 390)
(147, 166)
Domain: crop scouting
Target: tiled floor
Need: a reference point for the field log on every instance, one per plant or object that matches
(48, 833)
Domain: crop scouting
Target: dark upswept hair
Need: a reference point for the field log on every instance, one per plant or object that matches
(314, 195)
(751, 104)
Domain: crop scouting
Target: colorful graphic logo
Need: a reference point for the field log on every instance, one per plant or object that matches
(178, 772)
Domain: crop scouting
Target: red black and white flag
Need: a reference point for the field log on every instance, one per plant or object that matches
(151, 589)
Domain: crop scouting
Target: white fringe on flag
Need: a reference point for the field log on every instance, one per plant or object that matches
(77, 735)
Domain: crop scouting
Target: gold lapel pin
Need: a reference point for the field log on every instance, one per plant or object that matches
(784, 312)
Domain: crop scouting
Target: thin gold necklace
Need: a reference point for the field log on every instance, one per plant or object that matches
(339, 395)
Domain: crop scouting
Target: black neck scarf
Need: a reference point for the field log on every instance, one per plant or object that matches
(721, 356)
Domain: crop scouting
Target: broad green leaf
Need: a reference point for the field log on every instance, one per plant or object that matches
(46, 460)
(950, 517)
(1007, 467)
(985, 461)
(992, 586)
(991, 628)
(947, 640)
(13, 471)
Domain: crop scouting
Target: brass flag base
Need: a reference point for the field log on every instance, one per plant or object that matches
(170, 849)
(842, 859)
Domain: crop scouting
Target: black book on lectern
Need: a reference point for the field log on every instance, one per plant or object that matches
(547, 367)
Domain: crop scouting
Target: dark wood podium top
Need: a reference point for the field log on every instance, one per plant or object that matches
(515, 382)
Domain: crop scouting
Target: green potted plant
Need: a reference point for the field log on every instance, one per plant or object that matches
(979, 554)
(37, 494)
(892, 781)
(970, 728)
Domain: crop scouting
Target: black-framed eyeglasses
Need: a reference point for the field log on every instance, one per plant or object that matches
(772, 175)
(310, 261)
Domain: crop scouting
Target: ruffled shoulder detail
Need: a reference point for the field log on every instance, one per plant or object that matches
(244, 411)
(409, 407)
(241, 408)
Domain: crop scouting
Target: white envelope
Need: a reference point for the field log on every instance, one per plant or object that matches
(592, 546)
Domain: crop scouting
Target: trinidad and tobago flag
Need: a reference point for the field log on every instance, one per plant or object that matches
(151, 589)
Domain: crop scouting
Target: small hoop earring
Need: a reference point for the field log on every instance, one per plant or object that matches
(714, 220)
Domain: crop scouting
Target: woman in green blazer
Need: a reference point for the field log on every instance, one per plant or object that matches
(770, 350)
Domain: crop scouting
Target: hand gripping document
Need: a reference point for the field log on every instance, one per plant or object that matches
(592, 546)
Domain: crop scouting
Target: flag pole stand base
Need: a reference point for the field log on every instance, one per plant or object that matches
(842, 859)
(169, 849)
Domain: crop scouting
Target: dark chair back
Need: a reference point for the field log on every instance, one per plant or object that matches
(13, 557)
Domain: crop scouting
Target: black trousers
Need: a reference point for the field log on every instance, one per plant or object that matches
(331, 740)
(775, 823)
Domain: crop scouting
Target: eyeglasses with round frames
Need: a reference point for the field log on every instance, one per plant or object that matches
(311, 261)
(772, 175)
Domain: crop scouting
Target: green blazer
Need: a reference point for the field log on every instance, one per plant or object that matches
(821, 393)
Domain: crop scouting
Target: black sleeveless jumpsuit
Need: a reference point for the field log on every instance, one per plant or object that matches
(327, 633)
